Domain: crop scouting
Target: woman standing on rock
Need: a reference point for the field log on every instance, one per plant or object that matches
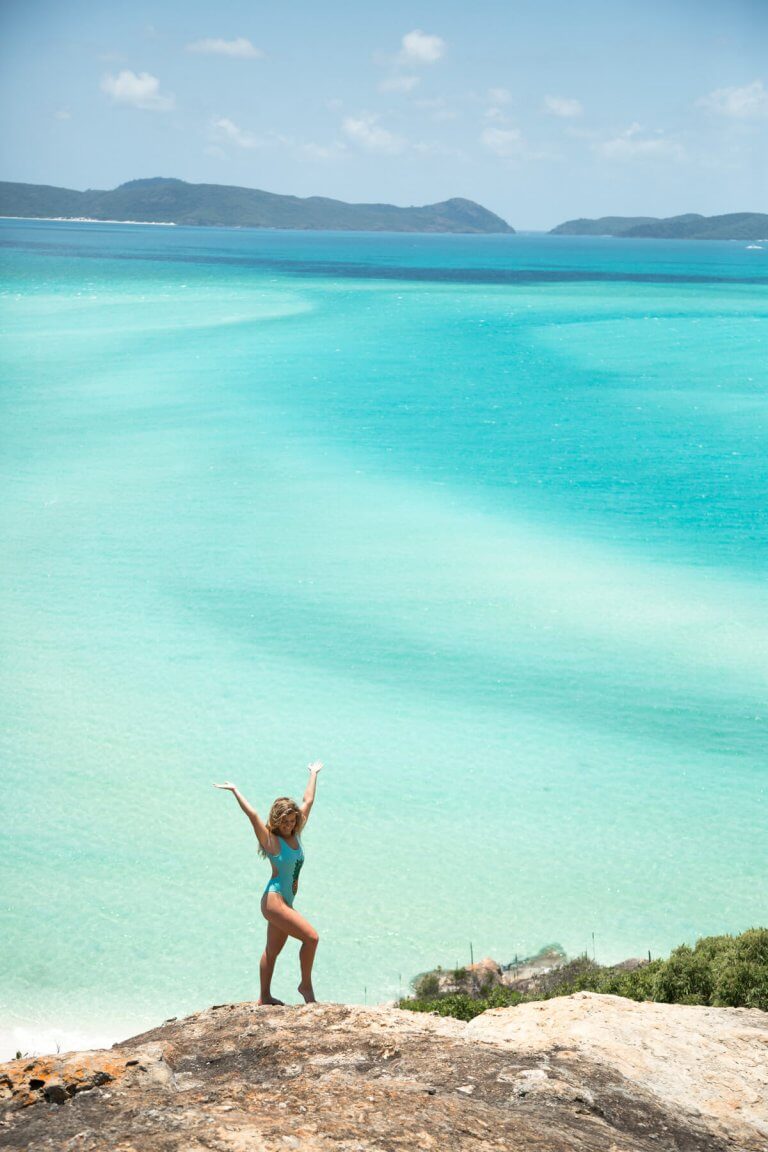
(279, 841)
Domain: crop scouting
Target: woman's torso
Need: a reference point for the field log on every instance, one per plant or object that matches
(286, 866)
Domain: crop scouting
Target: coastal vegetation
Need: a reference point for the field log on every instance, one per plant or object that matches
(161, 201)
(719, 971)
(691, 226)
(167, 201)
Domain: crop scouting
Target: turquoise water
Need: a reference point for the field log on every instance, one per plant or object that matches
(479, 521)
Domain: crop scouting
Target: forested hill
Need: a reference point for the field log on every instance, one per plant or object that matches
(176, 202)
(734, 226)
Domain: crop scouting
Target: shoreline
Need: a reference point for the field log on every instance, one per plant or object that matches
(92, 220)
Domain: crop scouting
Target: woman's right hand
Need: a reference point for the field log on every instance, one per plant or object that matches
(226, 786)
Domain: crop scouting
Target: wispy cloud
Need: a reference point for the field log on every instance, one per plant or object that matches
(503, 142)
(306, 150)
(139, 90)
(226, 129)
(368, 134)
(62, 114)
(497, 100)
(634, 144)
(321, 152)
(747, 103)
(240, 49)
(223, 132)
(563, 106)
(402, 84)
(433, 148)
(436, 107)
(421, 48)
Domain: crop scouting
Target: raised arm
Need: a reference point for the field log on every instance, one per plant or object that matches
(264, 836)
(309, 792)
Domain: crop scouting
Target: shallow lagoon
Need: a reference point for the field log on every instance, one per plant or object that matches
(480, 521)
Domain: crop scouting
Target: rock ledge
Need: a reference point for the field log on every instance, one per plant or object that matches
(585, 1073)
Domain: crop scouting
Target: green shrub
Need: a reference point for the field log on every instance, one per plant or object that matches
(462, 1006)
(638, 984)
(724, 971)
(686, 978)
(457, 1004)
(580, 975)
(740, 971)
(427, 986)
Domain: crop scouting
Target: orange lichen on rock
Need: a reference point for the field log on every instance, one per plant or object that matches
(58, 1078)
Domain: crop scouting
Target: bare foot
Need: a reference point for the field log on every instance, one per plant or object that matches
(271, 1000)
(307, 992)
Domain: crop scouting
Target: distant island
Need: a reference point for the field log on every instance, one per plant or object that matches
(734, 226)
(161, 201)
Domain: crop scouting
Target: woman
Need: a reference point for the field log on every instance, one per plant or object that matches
(279, 840)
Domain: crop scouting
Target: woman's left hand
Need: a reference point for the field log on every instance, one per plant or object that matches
(315, 766)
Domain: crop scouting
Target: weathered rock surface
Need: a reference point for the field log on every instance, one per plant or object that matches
(585, 1073)
(709, 1063)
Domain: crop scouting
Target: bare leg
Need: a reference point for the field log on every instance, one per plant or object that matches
(290, 922)
(276, 938)
(306, 960)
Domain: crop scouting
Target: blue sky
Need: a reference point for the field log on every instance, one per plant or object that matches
(539, 109)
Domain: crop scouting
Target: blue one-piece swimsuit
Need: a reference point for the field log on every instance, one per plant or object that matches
(288, 862)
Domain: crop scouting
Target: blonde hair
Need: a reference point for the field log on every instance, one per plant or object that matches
(282, 807)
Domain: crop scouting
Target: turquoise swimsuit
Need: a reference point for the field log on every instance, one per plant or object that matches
(288, 862)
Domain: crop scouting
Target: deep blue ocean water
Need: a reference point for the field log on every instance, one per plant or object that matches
(479, 521)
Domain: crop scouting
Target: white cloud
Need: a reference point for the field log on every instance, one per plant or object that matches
(226, 129)
(634, 145)
(563, 106)
(747, 103)
(421, 48)
(308, 150)
(62, 114)
(138, 90)
(504, 142)
(368, 134)
(498, 99)
(240, 48)
(403, 84)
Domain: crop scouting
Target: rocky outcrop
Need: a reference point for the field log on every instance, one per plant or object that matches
(480, 978)
(709, 1064)
(584, 1073)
